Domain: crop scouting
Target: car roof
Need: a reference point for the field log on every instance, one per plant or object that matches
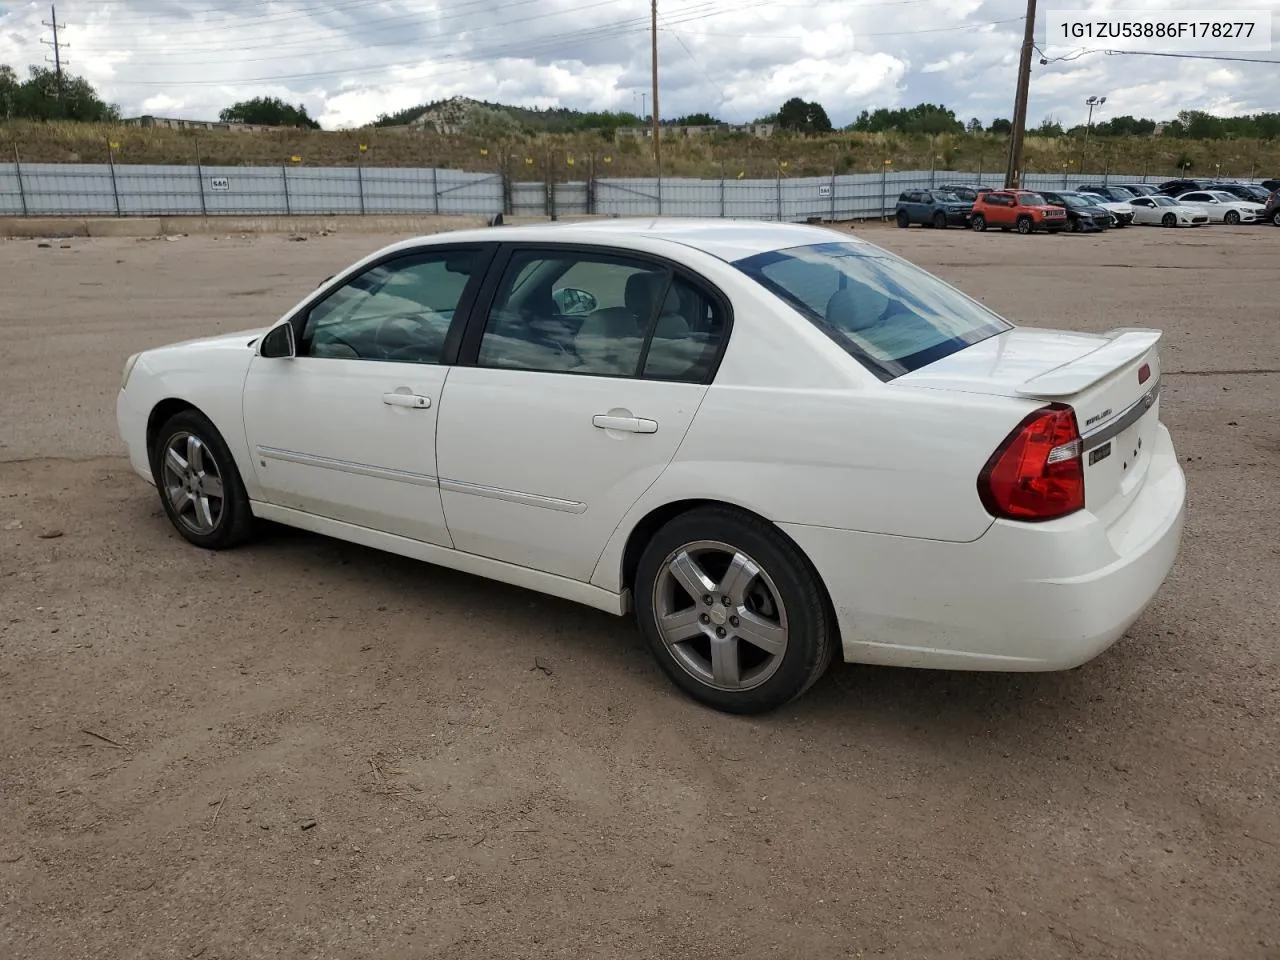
(727, 240)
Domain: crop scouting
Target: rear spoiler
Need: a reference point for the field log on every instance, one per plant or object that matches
(1123, 346)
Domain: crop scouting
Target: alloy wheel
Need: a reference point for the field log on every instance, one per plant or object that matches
(720, 615)
(192, 482)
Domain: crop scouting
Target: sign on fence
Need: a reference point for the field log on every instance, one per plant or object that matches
(824, 190)
(220, 184)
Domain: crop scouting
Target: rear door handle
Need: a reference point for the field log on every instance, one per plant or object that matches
(627, 424)
(411, 400)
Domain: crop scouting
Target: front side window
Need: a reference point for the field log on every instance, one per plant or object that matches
(602, 315)
(889, 314)
(400, 310)
(1032, 200)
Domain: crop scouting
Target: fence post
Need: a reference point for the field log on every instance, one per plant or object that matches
(722, 204)
(288, 201)
(22, 190)
(979, 168)
(1106, 169)
(435, 192)
(833, 194)
(659, 193)
(777, 185)
(549, 187)
(884, 188)
(360, 181)
(591, 185)
(115, 189)
(505, 172)
(204, 210)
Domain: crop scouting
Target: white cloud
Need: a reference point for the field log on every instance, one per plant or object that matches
(349, 60)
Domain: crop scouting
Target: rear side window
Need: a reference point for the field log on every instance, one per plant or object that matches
(890, 315)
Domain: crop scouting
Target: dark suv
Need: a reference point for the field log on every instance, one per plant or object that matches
(1272, 213)
(1245, 191)
(1082, 215)
(937, 208)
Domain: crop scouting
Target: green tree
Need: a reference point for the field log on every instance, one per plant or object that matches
(42, 97)
(973, 126)
(922, 118)
(1000, 125)
(803, 116)
(1049, 127)
(269, 112)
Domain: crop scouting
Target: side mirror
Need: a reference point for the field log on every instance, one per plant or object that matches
(572, 302)
(278, 343)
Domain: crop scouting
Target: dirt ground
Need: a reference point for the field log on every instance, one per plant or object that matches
(307, 749)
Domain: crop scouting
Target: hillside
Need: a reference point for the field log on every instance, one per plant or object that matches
(529, 158)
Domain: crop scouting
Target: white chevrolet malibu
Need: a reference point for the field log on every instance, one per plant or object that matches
(771, 442)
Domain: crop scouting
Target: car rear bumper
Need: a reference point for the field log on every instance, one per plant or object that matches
(131, 424)
(1022, 597)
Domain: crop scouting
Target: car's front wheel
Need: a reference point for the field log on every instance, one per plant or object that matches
(199, 484)
(1169, 220)
(733, 611)
(978, 222)
(939, 221)
(1025, 225)
(1275, 218)
(903, 220)
(1232, 218)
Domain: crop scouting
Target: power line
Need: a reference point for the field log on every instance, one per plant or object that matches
(56, 44)
(1183, 56)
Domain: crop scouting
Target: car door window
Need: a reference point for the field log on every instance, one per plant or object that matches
(643, 320)
(400, 310)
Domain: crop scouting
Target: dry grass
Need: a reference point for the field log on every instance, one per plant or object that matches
(571, 157)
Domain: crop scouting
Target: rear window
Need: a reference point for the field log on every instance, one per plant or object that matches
(888, 314)
(1032, 200)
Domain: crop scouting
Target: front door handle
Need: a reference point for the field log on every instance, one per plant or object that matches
(411, 400)
(627, 424)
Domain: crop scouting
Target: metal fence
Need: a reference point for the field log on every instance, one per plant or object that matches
(82, 189)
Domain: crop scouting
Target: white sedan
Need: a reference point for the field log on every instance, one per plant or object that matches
(772, 442)
(1158, 210)
(1122, 209)
(1223, 207)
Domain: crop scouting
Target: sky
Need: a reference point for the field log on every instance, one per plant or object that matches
(349, 60)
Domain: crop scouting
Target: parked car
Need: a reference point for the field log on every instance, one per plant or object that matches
(936, 208)
(1121, 208)
(1023, 210)
(1083, 216)
(1138, 189)
(1162, 211)
(1243, 191)
(1222, 207)
(1271, 212)
(1270, 184)
(939, 489)
(968, 192)
(1172, 188)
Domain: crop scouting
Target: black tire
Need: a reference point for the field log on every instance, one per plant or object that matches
(1231, 218)
(1169, 220)
(939, 221)
(978, 222)
(903, 220)
(1077, 226)
(234, 523)
(1275, 218)
(811, 635)
(1025, 225)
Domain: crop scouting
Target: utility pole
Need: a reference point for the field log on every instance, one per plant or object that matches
(657, 143)
(57, 49)
(1092, 102)
(1013, 172)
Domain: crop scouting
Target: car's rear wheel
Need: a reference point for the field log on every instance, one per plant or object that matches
(1232, 218)
(1275, 218)
(939, 221)
(978, 222)
(199, 484)
(733, 611)
(1169, 220)
(1025, 225)
(903, 220)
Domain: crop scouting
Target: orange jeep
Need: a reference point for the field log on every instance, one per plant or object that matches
(1022, 210)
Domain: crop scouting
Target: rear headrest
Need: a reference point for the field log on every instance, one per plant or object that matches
(856, 307)
(641, 291)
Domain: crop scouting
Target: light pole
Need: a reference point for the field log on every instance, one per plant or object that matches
(1092, 102)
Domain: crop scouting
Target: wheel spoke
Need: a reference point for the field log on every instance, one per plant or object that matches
(175, 462)
(680, 626)
(689, 574)
(736, 579)
(724, 661)
(762, 633)
(195, 454)
(204, 516)
(211, 486)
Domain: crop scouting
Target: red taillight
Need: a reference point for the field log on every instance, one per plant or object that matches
(1037, 473)
(1144, 373)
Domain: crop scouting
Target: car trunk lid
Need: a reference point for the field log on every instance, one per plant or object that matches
(1111, 381)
